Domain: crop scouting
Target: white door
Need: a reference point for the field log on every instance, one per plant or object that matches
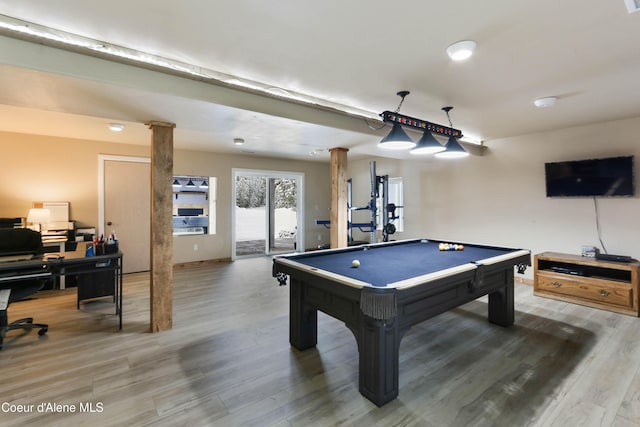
(127, 210)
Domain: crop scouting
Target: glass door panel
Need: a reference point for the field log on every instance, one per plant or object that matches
(250, 215)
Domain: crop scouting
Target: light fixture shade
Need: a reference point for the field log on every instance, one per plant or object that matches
(397, 139)
(204, 184)
(428, 144)
(549, 101)
(38, 215)
(176, 183)
(461, 50)
(453, 150)
(190, 183)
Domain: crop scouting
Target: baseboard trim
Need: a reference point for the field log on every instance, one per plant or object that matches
(523, 280)
(203, 262)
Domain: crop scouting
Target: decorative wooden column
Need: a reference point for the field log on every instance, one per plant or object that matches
(161, 244)
(339, 198)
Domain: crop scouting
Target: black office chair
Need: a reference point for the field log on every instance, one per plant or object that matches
(19, 241)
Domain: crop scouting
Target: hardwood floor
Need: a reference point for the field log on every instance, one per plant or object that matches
(227, 362)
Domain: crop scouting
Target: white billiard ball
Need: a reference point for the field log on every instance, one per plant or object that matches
(355, 263)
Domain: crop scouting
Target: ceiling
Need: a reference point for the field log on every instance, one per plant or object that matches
(356, 54)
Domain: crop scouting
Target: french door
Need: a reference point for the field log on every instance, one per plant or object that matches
(267, 213)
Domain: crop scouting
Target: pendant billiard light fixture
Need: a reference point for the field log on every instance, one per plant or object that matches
(453, 149)
(428, 144)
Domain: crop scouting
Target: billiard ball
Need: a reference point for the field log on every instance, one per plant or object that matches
(355, 263)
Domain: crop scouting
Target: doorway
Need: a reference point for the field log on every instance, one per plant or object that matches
(267, 214)
(125, 207)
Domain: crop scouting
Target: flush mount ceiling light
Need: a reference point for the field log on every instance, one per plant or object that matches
(461, 50)
(549, 101)
(116, 127)
(238, 141)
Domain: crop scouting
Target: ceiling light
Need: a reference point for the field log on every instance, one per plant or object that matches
(397, 139)
(461, 50)
(176, 183)
(453, 149)
(190, 183)
(427, 145)
(549, 101)
(116, 127)
(204, 184)
(238, 141)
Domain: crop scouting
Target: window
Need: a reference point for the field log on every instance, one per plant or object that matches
(395, 197)
(194, 205)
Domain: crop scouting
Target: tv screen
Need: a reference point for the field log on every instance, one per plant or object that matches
(607, 177)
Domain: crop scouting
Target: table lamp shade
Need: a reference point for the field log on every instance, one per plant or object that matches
(38, 216)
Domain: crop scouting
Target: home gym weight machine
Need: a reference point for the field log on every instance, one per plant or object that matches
(379, 189)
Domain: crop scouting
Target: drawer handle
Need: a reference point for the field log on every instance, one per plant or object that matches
(556, 284)
(604, 293)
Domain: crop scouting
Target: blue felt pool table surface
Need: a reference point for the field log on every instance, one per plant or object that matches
(381, 265)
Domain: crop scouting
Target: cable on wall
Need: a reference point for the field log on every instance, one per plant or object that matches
(595, 205)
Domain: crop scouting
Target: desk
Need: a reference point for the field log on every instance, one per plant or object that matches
(14, 269)
(398, 285)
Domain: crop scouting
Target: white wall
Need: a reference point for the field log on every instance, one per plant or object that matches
(317, 194)
(500, 199)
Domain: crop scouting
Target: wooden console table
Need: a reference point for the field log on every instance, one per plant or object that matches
(588, 281)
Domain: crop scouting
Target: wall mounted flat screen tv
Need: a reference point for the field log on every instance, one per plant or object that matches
(606, 177)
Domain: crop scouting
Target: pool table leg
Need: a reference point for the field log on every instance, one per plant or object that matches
(379, 346)
(303, 320)
(501, 310)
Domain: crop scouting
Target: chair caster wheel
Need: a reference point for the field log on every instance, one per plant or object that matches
(41, 332)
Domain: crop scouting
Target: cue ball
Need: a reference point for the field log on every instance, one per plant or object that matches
(355, 263)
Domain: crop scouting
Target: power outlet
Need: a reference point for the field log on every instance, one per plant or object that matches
(319, 237)
(195, 247)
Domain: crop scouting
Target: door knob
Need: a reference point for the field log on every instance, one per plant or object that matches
(109, 223)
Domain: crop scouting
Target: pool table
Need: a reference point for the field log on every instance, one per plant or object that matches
(397, 285)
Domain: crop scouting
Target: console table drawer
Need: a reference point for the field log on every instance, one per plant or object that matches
(582, 288)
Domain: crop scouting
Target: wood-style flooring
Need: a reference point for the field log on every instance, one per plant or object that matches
(227, 362)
